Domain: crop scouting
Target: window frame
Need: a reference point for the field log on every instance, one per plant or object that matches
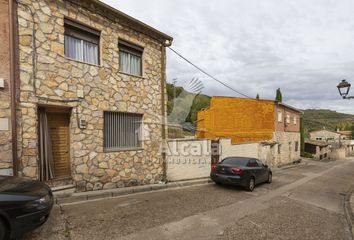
(121, 148)
(131, 49)
(294, 120)
(287, 118)
(280, 116)
(83, 33)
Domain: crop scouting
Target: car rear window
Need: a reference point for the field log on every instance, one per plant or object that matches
(235, 161)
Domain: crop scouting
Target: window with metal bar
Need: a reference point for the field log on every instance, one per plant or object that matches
(122, 131)
(130, 58)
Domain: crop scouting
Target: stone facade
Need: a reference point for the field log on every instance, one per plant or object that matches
(321, 150)
(5, 93)
(287, 148)
(54, 80)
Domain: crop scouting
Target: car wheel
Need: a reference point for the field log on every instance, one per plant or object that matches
(251, 184)
(218, 183)
(3, 231)
(270, 178)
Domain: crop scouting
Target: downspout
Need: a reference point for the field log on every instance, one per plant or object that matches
(12, 42)
(163, 107)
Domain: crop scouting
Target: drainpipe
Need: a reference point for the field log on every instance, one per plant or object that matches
(163, 107)
(12, 43)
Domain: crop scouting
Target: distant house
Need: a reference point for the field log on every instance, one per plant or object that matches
(250, 120)
(319, 149)
(345, 135)
(325, 136)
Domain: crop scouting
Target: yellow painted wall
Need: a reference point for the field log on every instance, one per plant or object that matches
(242, 120)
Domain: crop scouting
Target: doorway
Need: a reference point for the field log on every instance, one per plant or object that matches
(54, 143)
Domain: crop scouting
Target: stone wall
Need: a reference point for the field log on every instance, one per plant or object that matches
(337, 153)
(55, 80)
(288, 153)
(5, 94)
(188, 159)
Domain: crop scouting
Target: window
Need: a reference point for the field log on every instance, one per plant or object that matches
(296, 146)
(122, 130)
(280, 116)
(81, 43)
(260, 163)
(279, 148)
(130, 58)
(252, 163)
(294, 120)
(235, 161)
(288, 118)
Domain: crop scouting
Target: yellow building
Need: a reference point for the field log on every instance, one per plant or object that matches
(245, 120)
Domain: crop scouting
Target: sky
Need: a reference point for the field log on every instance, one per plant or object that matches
(304, 47)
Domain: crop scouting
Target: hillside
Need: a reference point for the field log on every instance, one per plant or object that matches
(315, 119)
(188, 105)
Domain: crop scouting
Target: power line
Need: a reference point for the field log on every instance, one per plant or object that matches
(209, 75)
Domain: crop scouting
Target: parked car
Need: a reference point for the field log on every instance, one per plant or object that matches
(24, 205)
(241, 171)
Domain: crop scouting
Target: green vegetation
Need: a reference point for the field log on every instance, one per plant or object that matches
(307, 155)
(199, 102)
(174, 132)
(316, 119)
(278, 95)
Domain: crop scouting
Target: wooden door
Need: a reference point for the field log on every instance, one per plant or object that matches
(58, 124)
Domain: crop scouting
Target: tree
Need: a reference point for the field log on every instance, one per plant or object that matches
(352, 132)
(257, 97)
(302, 135)
(278, 96)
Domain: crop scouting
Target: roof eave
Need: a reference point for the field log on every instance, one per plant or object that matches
(136, 21)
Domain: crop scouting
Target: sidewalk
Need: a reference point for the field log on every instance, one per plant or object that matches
(351, 202)
(99, 194)
(349, 209)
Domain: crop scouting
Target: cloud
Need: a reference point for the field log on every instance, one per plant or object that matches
(305, 47)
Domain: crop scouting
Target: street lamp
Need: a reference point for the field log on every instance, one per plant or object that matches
(343, 88)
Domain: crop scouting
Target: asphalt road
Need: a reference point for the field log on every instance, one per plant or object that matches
(304, 202)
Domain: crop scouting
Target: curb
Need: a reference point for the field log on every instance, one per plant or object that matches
(349, 210)
(289, 166)
(102, 194)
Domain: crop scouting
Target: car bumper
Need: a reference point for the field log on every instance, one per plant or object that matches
(30, 221)
(228, 179)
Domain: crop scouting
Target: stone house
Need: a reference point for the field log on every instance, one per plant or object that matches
(325, 135)
(345, 135)
(319, 149)
(267, 122)
(90, 105)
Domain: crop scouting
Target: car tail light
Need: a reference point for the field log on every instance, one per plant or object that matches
(237, 171)
(214, 167)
